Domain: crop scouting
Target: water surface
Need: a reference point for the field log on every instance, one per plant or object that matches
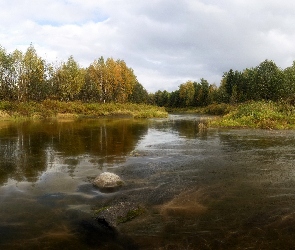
(200, 189)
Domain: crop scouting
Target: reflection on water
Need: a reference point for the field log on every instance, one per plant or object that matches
(27, 149)
(200, 189)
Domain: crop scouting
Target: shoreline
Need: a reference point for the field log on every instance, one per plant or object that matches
(268, 115)
(253, 115)
(49, 109)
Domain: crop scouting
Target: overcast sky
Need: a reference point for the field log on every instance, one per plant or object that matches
(166, 42)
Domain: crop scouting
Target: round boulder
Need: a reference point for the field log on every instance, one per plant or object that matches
(108, 181)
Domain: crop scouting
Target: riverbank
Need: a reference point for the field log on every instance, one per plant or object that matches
(212, 109)
(56, 109)
(261, 114)
(253, 114)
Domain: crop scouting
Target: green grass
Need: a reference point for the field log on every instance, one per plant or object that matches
(262, 114)
(212, 109)
(217, 109)
(51, 109)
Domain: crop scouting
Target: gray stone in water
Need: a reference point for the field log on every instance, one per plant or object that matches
(119, 213)
(108, 181)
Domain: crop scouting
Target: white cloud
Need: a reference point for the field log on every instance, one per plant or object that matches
(165, 42)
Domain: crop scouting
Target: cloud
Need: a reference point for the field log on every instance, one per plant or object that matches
(165, 42)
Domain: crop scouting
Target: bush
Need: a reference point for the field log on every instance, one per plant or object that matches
(262, 114)
(6, 105)
(218, 109)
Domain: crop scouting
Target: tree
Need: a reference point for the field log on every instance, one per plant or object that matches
(205, 92)
(89, 91)
(129, 80)
(69, 80)
(288, 91)
(139, 94)
(186, 93)
(233, 86)
(112, 80)
(249, 76)
(32, 76)
(174, 100)
(269, 80)
(7, 84)
(212, 94)
(96, 79)
(162, 98)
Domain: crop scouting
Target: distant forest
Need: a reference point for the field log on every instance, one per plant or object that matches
(27, 77)
(264, 82)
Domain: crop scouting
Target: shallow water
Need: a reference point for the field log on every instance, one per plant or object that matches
(200, 189)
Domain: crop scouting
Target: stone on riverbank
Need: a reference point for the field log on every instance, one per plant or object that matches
(108, 181)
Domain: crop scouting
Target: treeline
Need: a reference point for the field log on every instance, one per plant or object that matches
(27, 77)
(264, 82)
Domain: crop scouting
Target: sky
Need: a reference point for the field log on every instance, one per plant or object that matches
(165, 42)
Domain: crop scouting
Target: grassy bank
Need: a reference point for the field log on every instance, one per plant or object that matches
(262, 114)
(212, 109)
(57, 109)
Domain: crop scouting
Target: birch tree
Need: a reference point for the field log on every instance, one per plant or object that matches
(69, 79)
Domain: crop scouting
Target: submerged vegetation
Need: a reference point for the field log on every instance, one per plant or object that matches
(130, 215)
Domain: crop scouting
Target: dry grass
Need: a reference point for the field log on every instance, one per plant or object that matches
(72, 110)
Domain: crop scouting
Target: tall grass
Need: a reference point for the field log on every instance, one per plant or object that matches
(212, 109)
(51, 108)
(262, 114)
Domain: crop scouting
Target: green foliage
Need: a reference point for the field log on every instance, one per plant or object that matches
(6, 105)
(139, 94)
(260, 114)
(218, 109)
(32, 76)
(190, 94)
(202, 95)
(264, 82)
(161, 98)
(69, 79)
(187, 93)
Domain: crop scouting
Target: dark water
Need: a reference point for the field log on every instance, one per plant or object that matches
(199, 189)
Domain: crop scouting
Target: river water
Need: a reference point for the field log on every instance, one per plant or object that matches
(198, 189)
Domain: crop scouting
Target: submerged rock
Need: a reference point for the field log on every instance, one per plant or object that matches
(108, 181)
(119, 213)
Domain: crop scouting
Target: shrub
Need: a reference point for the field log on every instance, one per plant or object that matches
(262, 114)
(218, 109)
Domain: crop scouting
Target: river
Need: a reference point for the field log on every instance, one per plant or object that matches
(197, 188)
